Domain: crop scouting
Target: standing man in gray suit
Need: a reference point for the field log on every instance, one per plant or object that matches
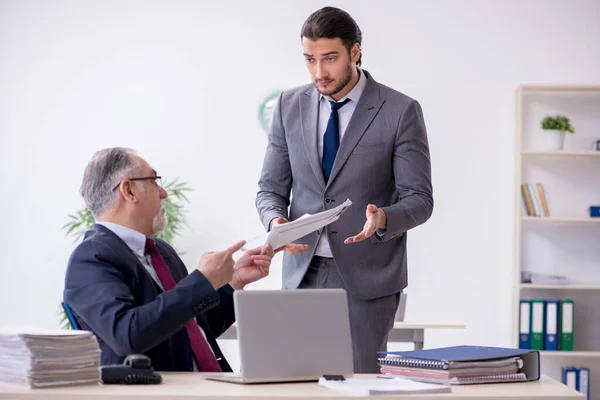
(348, 136)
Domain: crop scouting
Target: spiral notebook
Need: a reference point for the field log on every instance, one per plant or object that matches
(404, 361)
(463, 365)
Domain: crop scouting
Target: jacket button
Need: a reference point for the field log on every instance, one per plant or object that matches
(327, 200)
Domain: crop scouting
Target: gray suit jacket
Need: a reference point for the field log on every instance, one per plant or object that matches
(383, 159)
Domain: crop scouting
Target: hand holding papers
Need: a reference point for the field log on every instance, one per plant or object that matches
(282, 234)
(290, 248)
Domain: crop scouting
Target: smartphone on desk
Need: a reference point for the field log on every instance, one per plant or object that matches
(136, 369)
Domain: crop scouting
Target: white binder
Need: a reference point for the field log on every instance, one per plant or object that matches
(584, 381)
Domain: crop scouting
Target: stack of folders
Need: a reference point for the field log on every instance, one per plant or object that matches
(463, 365)
(42, 358)
(577, 378)
(546, 324)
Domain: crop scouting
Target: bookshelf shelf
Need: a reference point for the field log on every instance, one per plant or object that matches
(557, 354)
(590, 220)
(537, 286)
(562, 153)
(560, 88)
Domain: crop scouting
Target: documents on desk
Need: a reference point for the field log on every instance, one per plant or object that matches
(33, 357)
(463, 365)
(282, 234)
(367, 387)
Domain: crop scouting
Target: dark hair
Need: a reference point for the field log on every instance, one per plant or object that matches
(332, 23)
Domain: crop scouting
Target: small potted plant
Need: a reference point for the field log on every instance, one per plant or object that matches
(556, 126)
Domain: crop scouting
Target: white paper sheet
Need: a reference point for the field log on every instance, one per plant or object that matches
(367, 387)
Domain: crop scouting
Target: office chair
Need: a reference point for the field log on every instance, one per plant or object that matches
(70, 316)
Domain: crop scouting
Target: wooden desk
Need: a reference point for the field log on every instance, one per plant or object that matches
(403, 332)
(188, 385)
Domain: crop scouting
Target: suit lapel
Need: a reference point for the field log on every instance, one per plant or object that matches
(119, 246)
(125, 252)
(367, 108)
(309, 110)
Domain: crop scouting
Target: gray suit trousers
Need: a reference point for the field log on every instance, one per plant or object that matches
(370, 320)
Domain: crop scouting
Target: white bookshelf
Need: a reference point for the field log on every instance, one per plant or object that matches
(583, 153)
(567, 242)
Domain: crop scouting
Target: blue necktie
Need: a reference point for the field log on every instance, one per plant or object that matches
(331, 139)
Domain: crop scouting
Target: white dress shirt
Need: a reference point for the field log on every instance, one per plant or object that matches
(136, 241)
(344, 115)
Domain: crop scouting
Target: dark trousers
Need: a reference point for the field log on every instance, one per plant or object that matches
(370, 320)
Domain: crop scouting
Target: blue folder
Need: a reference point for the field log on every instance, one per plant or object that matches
(443, 358)
(551, 331)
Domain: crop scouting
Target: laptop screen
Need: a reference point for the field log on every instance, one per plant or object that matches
(293, 334)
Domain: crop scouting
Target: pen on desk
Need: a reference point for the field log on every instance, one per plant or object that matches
(384, 377)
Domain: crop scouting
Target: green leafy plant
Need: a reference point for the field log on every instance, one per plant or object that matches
(557, 123)
(64, 322)
(83, 220)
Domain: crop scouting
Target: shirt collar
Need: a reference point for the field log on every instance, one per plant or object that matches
(135, 240)
(356, 92)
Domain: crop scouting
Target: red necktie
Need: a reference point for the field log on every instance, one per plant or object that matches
(204, 357)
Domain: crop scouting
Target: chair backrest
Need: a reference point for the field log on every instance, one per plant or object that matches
(70, 316)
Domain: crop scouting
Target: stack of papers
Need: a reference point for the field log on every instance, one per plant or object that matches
(369, 387)
(543, 279)
(33, 358)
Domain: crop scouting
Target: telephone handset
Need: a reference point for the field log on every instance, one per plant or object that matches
(136, 369)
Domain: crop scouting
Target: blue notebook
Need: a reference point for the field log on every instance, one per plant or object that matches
(454, 357)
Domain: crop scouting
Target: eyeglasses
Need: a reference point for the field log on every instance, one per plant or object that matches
(157, 181)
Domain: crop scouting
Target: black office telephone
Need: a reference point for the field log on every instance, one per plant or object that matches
(136, 369)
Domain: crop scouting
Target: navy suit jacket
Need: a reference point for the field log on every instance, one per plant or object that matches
(112, 295)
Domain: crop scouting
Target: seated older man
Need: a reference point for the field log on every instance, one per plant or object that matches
(133, 291)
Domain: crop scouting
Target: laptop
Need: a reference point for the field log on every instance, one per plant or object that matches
(291, 335)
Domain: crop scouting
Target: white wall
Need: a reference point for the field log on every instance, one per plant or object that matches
(181, 81)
